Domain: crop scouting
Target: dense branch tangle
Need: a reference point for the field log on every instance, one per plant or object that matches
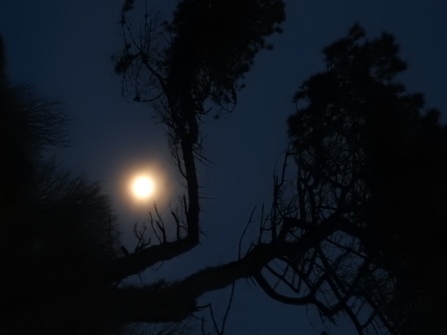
(312, 254)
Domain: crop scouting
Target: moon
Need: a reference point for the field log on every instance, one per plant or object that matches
(142, 187)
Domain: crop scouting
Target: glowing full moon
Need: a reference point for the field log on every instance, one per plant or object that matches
(142, 187)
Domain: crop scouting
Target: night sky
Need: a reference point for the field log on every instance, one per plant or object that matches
(62, 48)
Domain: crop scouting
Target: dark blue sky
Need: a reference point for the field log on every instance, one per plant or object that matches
(62, 48)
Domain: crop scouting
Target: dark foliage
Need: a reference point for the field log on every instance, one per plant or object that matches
(206, 48)
(58, 230)
(219, 38)
(361, 132)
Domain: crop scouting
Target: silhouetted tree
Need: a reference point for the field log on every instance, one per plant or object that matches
(369, 150)
(58, 230)
(327, 242)
(295, 247)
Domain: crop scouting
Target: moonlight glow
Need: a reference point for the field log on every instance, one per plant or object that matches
(142, 184)
(142, 187)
